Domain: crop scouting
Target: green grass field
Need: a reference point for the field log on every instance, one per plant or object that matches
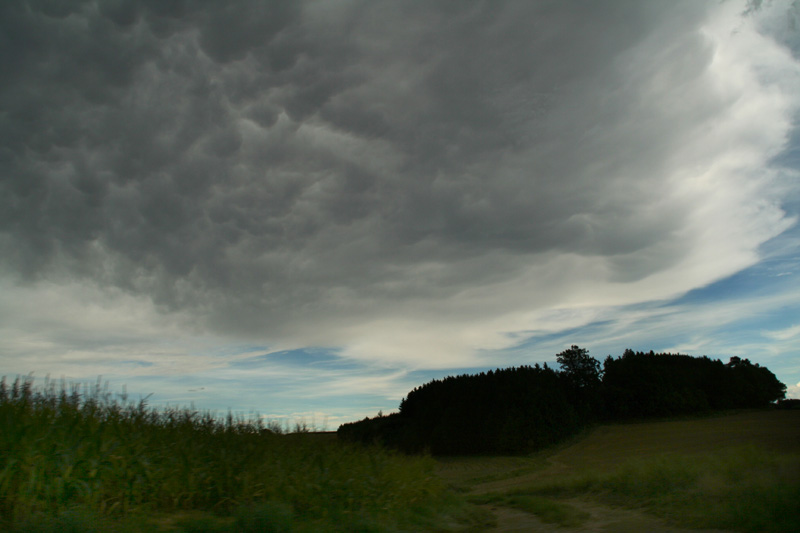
(80, 459)
(737, 472)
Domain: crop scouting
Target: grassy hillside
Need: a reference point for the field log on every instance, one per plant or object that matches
(739, 472)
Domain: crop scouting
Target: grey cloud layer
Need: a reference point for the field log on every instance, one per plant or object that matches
(261, 164)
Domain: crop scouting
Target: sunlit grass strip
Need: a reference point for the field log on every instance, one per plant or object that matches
(81, 447)
(740, 489)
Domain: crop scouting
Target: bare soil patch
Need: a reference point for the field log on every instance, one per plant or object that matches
(603, 519)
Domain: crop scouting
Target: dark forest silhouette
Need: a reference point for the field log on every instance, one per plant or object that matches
(522, 409)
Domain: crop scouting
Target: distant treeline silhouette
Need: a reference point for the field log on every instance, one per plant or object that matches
(521, 409)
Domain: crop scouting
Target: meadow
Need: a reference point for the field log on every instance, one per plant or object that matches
(81, 459)
(738, 471)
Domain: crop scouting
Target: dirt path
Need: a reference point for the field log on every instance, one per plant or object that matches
(513, 473)
(605, 448)
(602, 519)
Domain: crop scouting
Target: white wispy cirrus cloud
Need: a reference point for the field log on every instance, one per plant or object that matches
(413, 184)
(784, 334)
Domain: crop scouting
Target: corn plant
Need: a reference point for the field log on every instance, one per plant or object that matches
(65, 447)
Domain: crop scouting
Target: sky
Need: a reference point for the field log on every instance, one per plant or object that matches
(304, 209)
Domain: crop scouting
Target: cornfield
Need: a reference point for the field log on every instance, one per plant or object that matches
(65, 447)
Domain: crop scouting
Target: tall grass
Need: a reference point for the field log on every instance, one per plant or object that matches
(69, 451)
(740, 489)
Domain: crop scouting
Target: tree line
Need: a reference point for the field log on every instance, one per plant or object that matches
(522, 409)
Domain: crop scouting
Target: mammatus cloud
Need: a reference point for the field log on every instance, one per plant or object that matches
(408, 182)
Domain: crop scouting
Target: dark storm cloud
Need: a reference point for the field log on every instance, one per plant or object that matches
(262, 163)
